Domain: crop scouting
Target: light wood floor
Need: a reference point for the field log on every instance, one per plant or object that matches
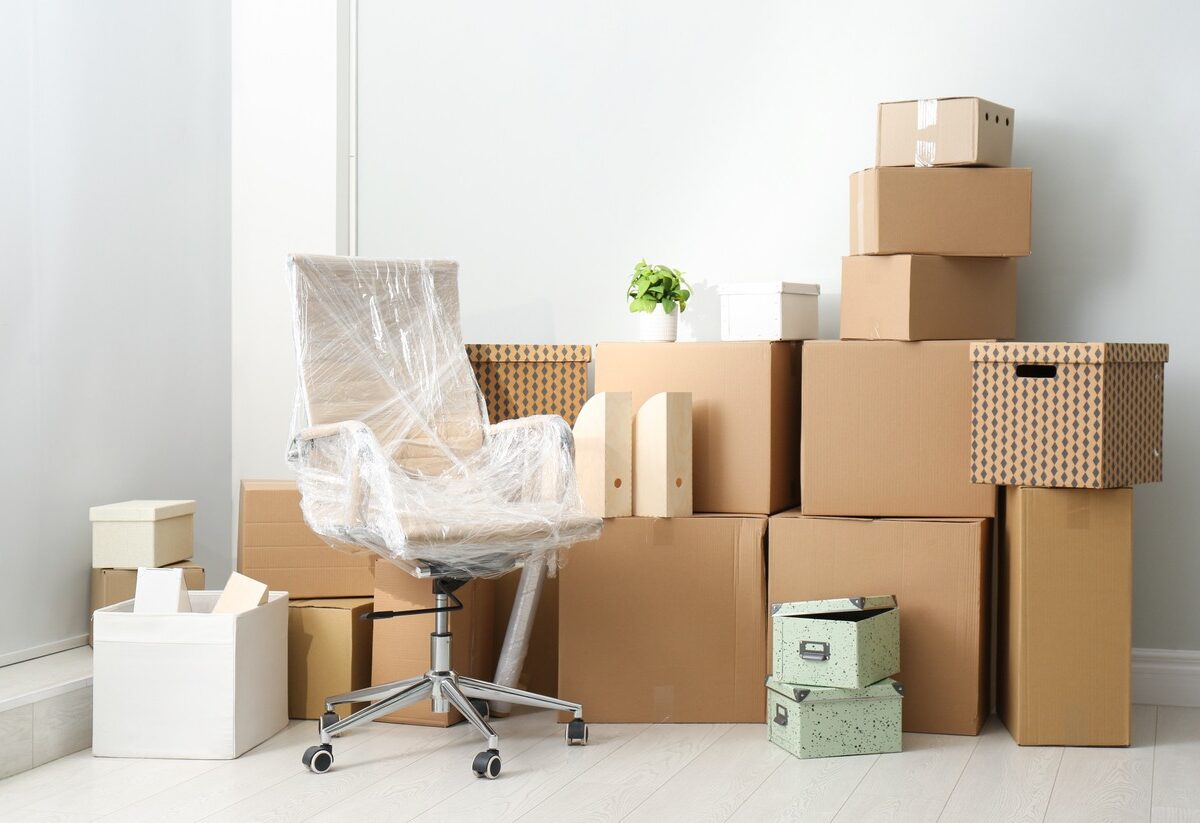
(634, 772)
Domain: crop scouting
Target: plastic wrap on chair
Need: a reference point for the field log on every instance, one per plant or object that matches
(390, 439)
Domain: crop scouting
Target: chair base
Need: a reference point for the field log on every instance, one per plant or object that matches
(447, 690)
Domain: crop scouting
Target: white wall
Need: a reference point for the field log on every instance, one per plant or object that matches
(549, 146)
(114, 233)
(284, 200)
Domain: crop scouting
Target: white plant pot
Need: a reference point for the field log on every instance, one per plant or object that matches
(658, 326)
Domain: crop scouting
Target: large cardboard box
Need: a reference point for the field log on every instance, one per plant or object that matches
(523, 379)
(111, 586)
(950, 211)
(745, 415)
(277, 547)
(400, 645)
(196, 685)
(1079, 415)
(665, 620)
(1066, 601)
(927, 297)
(950, 131)
(939, 571)
(329, 652)
(887, 430)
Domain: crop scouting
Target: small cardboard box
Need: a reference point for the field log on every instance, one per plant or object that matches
(276, 546)
(745, 425)
(192, 685)
(769, 311)
(329, 652)
(847, 643)
(887, 431)
(665, 621)
(926, 297)
(1066, 608)
(139, 533)
(940, 571)
(521, 379)
(946, 131)
(814, 721)
(111, 586)
(1080, 415)
(400, 645)
(964, 212)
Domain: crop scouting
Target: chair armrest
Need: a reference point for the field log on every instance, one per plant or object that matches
(540, 453)
(303, 441)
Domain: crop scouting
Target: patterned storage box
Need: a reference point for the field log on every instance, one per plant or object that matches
(1079, 415)
(823, 722)
(519, 379)
(847, 643)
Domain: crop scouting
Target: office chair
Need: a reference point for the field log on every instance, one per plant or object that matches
(394, 454)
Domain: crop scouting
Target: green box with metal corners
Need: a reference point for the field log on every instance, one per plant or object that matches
(849, 642)
(828, 722)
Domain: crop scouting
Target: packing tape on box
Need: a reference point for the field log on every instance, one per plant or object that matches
(927, 115)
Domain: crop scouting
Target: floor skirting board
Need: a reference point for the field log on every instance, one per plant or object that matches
(1166, 677)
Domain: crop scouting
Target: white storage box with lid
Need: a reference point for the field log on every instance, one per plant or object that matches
(190, 685)
(140, 533)
(769, 311)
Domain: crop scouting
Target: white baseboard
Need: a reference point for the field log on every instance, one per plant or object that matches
(43, 650)
(1166, 677)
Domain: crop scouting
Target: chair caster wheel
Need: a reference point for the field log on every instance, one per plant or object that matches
(577, 732)
(328, 719)
(481, 706)
(487, 764)
(319, 759)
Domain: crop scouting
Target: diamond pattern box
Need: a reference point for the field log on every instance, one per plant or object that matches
(519, 380)
(1076, 415)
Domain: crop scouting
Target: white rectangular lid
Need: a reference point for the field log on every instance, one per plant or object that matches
(769, 287)
(142, 510)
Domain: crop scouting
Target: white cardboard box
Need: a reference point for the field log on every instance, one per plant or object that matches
(190, 685)
(769, 311)
(138, 533)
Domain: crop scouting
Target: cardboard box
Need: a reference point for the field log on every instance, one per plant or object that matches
(887, 431)
(193, 685)
(1066, 601)
(967, 212)
(940, 572)
(521, 379)
(664, 620)
(745, 425)
(1079, 415)
(926, 297)
(540, 672)
(111, 586)
(276, 546)
(142, 533)
(947, 131)
(329, 652)
(400, 645)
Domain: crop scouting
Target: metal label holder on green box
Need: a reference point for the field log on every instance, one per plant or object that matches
(830, 722)
(848, 642)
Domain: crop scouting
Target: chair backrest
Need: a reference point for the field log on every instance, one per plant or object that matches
(379, 341)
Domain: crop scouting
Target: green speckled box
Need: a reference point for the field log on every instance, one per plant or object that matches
(827, 722)
(849, 643)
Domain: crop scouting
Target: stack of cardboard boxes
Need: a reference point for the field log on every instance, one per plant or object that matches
(140, 533)
(888, 502)
(665, 619)
(330, 648)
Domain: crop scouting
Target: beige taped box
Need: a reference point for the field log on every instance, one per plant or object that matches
(142, 533)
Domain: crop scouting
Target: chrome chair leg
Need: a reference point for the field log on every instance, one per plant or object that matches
(494, 691)
(381, 692)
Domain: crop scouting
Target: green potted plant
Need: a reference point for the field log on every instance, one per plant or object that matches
(654, 286)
